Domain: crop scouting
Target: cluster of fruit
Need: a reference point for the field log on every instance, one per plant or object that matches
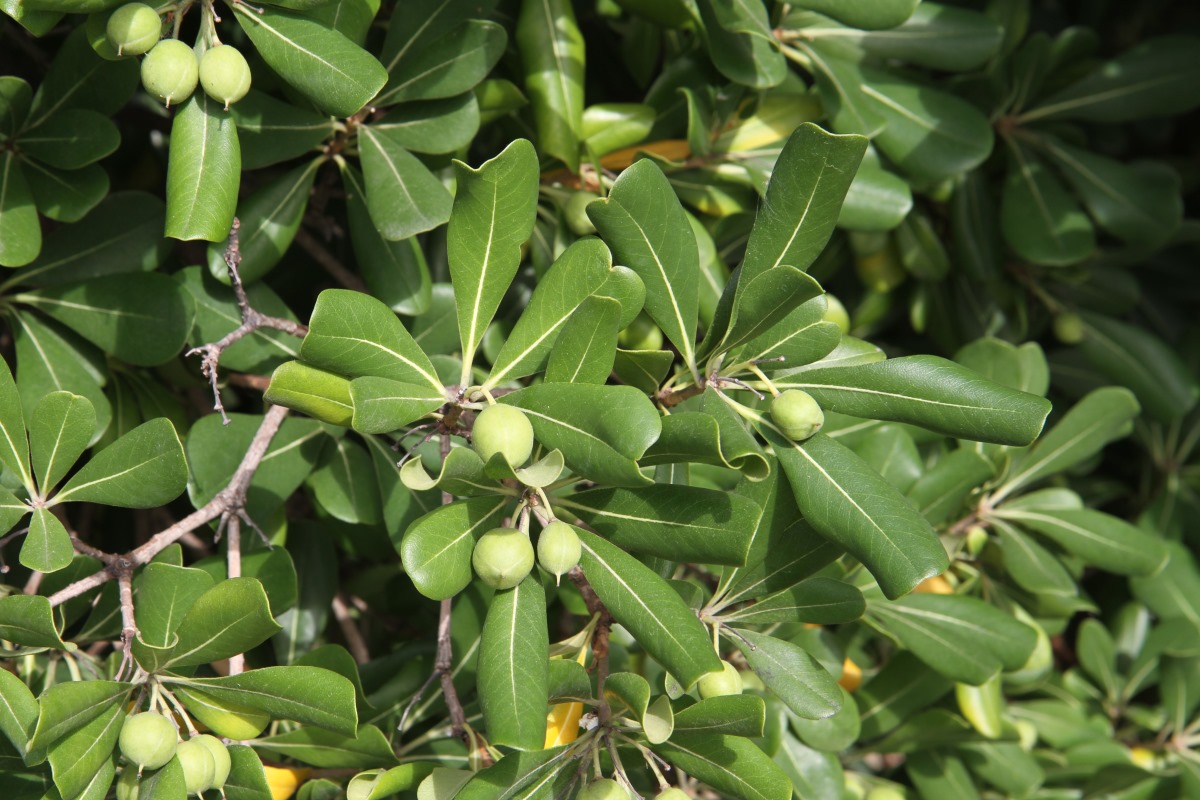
(149, 740)
(504, 556)
(171, 69)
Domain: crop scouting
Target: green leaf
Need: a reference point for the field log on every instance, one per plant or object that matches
(819, 601)
(433, 126)
(351, 18)
(82, 762)
(66, 196)
(767, 300)
(395, 272)
(1040, 219)
(792, 673)
(937, 36)
(15, 98)
(1158, 78)
(28, 619)
(403, 197)
(715, 436)
(519, 771)
(308, 695)
(79, 78)
(1031, 566)
(1172, 592)
(866, 14)
(1136, 358)
(940, 492)
(322, 64)
(165, 784)
(271, 131)
(730, 764)
(586, 347)
(343, 484)
(813, 773)
(962, 638)
(71, 139)
(67, 707)
(354, 334)
(20, 231)
(903, 687)
(731, 714)
(14, 446)
(269, 220)
(930, 134)
(142, 469)
(514, 667)
(931, 392)
(552, 53)
(204, 171)
(493, 215)
(165, 593)
(50, 359)
(122, 234)
(581, 270)
(830, 734)
(680, 523)
(1100, 417)
(608, 127)
(328, 750)
(315, 392)
(18, 711)
(601, 430)
(448, 66)
(647, 229)
(740, 43)
(627, 691)
(142, 319)
(652, 611)
(1098, 539)
(436, 549)
(382, 405)
(877, 200)
(47, 546)
(230, 618)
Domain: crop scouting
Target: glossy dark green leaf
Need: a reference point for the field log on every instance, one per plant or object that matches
(1096, 538)
(403, 196)
(351, 18)
(891, 451)
(143, 319)
(903, 687)
(15, 100)
(66, 196)
(354, 334)
(47, 546)
(831, 734)
(938, 774)
(715, 436)
(937, 36)
(552, 52)
(1171, 593)
(14, 446)
(329, 750)
(581, 270)
(20, 231)
(868, 14)
(28, 619)
(681, 523)
(1030, 565)
(271, 131)
(436, 549)
(519, 774)
(18, 710)
(322, 64)
(79, 78)
(513, 675)
(1157, 78)
(931, 392)
(940, 492)
(494, 211)
(586, 347)
(1040, 219)
(434, 126)
(82, 761)
(792, 674)
(382, 405)
(820, 601)
(642, 602)
(840, 82)
(739, 40)
(647, 229)
(203, 172)
(975, 224)
(230, 618)
(66, 707)
(877, 200)
(142, 469)
(308, 695)
(730, 764)
(601, 430)
(343, 484)
(166, 783)
(71, 139)
(448, 66)
(765, 301)
(731, 714)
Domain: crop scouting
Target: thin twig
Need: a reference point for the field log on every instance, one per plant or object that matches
(233, 569)
(354, 638)
(231, 498)
(329, 262)
(599, 638)
(252, 320)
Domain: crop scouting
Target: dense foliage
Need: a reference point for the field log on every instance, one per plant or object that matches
(535, 398)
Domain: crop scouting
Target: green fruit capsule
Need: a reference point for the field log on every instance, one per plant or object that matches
(505, 430)
(1068, 328)
(224, 74)
(575, 212)
(603, 789)
(672, 794)
(133, 29)
(199, 766)
(502, 557)
(718, 684)
(836, 313)
(558, 548)
(797, 414)
(148, 740)
(170, 71)
(221, 760)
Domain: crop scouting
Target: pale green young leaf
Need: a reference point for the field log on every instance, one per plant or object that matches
(47, 546)
(652, 611)
(630, 690)
(204, 170)
(792, 674)
(493, 215)
(436, 549)
(514, 667)
(581, 270)
(322, 64)
(403, 197)
(142, 469)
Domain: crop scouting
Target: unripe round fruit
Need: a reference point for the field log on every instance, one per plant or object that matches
(128, 785)
(221, 760)
(603, 789)
(502, 557)
(503, 429)
(170, 71)
(641, 334)
(836, 313)
(885, 793)
(575, 212)
(199, 766)
(977, 538)
(797, 414)
(717, 684)
(1068, 328)
(672, 794)
(148, 740)
(224, 74)
(133, 29)
(558, 548)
